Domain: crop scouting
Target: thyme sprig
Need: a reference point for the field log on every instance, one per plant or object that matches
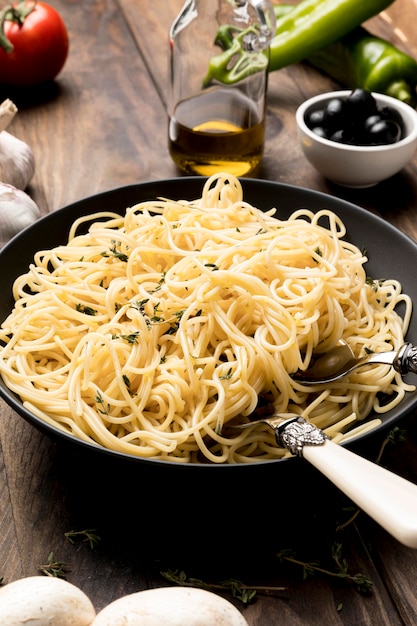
(375, 284)
(157, 316)
(130, 338)
(244, 593)
(341, 571)
(395, 436)
(87, 310)
(54, 568)
(102, 407)
(89, 535)
(115, 252)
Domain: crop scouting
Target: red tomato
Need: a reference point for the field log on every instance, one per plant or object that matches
(40, 47)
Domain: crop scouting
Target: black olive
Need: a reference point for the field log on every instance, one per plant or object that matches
(388, 113)
(342, 135)
(360, 104)
(334, 114)
(361, 135)
(315, 118)
(320, 131)
(384, 132)
(371, 120)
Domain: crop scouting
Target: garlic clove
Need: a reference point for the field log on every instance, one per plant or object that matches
(17, 211)
(17, 161)
(8, 110)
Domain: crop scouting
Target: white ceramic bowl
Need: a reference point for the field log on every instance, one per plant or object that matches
(351, 165)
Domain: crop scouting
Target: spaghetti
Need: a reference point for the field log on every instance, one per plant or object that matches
(152, 331)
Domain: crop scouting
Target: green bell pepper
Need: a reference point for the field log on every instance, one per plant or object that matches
(308, 27)
(360, 59)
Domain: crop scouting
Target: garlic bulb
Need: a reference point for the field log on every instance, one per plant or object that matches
(17, 210)
(17, 162)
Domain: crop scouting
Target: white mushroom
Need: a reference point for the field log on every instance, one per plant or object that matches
(170, 606)
(44, 601)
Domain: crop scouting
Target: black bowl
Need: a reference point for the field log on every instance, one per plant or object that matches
(391, 254)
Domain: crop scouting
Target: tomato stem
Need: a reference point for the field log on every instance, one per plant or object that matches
(14, 13)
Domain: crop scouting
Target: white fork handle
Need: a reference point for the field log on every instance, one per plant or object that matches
(386, 497)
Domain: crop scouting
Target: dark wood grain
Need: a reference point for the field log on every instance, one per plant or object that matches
(103, 125)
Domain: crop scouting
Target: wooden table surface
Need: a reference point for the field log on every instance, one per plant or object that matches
(103, 125)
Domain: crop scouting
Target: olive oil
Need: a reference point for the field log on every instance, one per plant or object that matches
(217, 131)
